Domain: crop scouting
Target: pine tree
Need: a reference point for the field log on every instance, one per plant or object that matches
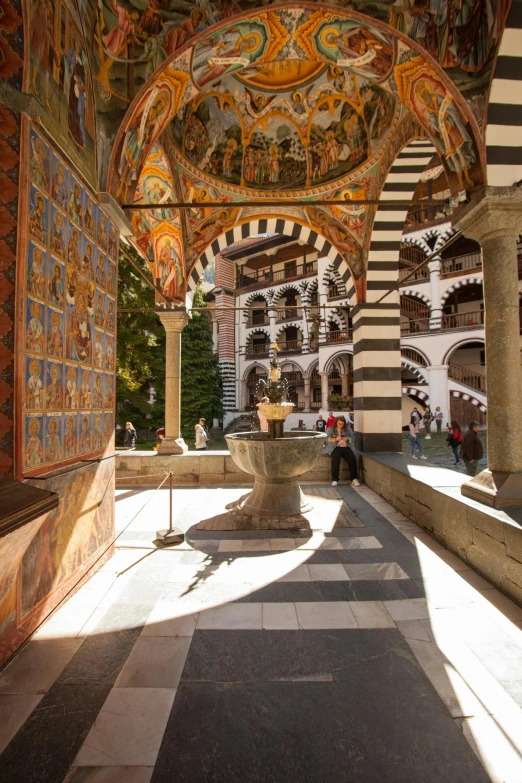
(140, 350)
(201, 387)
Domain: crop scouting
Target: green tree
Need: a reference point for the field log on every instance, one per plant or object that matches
(140, 351)
(201, 386)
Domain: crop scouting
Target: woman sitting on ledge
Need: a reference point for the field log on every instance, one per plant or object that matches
(337, 445)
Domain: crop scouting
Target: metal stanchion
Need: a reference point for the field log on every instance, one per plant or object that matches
(172, 535)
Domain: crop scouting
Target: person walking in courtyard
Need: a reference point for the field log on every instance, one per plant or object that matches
(129, 441)
(320, 424)
(438, 419)
(330, 421)
(201, 435)
(414, 438)
(471, 450)
(338, 446)
(427, 419)
(454, 440)
(416, 415)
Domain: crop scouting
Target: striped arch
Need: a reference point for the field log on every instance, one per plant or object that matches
(329, 273)
(417, 242)
(337, 358)
(458, 395)
(286, 324)
(286, 226)
(250, 301)
(411, 292)
(415, 370)
(416, 394)
(258, 330)
(402, 179)
(284, 289)
(504, 123)
(459, 284)
(443, 238)
(251, 367)
(336, 318)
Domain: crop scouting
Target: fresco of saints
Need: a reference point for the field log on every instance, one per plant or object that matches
(110, 317)
(34, 387)
(71, 391)
(99, 313)
(34, 339)
(102, 232)
(140, 133)
(54, 336)
(275, 157)
(54, 392)
(332, 150)
(100, 271)
(37, 219)
(113, 244)
(39, 164)
(85, 435)
(204, 236)
(99, 358)
(97, 435)
(42, 43)
(75, 63)
(228, 154)
(33, 450)
(340, 239)
(59, 187)
(75, 204)
(87, 261)
(73, 251)
(111, 283)
(179, 33)
(54, 447)
(57, 240)
(109, 359)
(69, 442)
(249, 165)
(88, 217)
(36, 278)
(108, 402)
(79, 332)
(108, 427)
(97, 395)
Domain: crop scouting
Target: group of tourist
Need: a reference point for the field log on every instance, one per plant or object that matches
(467, 449)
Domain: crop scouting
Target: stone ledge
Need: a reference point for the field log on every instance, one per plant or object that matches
(489, 539)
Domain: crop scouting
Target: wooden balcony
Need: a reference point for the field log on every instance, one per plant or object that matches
(345, 336)
(257, 351)
(290, 346)
(258, 320)
(469, 378)
(268, 275)
(289, 314)
(451, 266)
(463, 320)
(336, 292)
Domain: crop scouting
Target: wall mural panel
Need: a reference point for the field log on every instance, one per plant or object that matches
(69, 310)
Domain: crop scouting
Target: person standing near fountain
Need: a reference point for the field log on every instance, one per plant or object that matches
(263, 422)
(337, 445)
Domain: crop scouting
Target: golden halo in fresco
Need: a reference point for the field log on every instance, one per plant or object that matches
(282, 75)
(329, 37)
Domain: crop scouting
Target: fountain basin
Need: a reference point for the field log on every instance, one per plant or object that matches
(276, 465)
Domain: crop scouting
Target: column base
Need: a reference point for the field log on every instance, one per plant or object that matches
(495, 489)
(172, 446)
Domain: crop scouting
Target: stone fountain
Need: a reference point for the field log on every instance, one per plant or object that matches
(275, 458)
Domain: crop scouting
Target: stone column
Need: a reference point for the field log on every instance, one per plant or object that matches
(439, 392)
(273, 324)
(494, 219)
(344, 382)
(324, 390)
(174, 322)
(306, 394)
(436, 305)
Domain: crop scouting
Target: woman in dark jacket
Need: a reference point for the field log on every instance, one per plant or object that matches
(454, 440)
(129, 441)
(337, 445)
(471, 450)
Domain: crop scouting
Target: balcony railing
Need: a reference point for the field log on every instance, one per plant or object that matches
(414, 356)
(258, 320)
(463, 320)
(289, 314)
(290, 345)
(420, 275)
(345, 336)
(469, 378)
(461, 263)
(259, 349)
(414, 307)
(335, 291)
(416, 327)
(266, 275)
(316, 405)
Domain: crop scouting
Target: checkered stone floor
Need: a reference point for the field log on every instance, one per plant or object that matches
(357, 650)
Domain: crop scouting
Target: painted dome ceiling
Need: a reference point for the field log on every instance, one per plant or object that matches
(287, 126)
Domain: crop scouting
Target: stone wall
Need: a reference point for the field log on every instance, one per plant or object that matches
(489, 540)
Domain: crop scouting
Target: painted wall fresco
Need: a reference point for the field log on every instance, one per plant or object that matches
(69, 314)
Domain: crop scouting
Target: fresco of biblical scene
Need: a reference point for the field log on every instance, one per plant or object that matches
(90, 215)
(79, 330)
(109, 428)
(36, 270)
(72, 388)
(112, 242)
(99, 349)
(109, 354)
(74, 246)
(88, 256)
(100, 274)
(38, 215)
(40, 161)
(60, 183)
(108, 400)
(100, 308)
(338, 140)
(58, 238)
(111, 278)
(110, 320)
(167, 269)
(232, 48)
(70, 439)
(98, 390)
(76, 199)
(53, 437)
(54, 398)
(85, 432)
(101, 231)
(379, 107)
(212, 139)
(275, 158)
(54, 332)
(35, 326)
(34, 384)
(33, 440)
(97, 431)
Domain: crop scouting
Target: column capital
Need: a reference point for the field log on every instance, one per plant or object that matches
(173, 320)
(492, 213)
(434, 264)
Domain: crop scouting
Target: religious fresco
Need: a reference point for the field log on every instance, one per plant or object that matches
(70, 298)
